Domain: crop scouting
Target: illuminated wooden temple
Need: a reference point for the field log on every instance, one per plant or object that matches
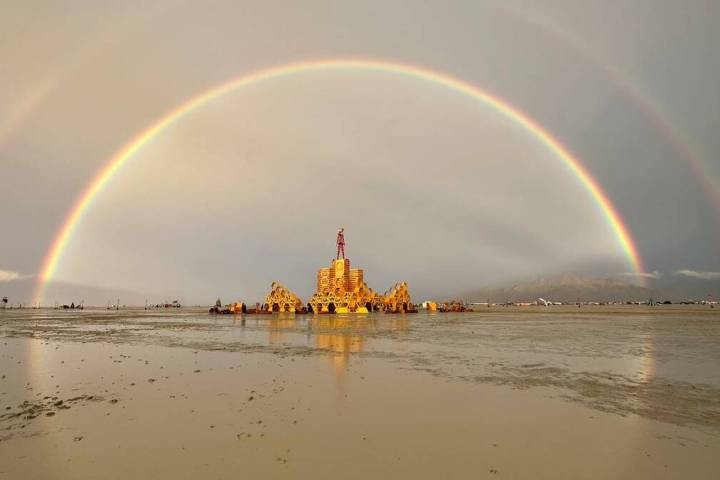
(340, 289)
(280, 299)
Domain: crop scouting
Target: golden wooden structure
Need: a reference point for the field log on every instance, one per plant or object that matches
(280, 299)
(341, 289)
(397, 299)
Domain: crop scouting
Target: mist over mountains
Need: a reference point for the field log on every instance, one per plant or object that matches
(679, 287)
(573, 288)
(560, 288)
(564, 288)
(21, 291)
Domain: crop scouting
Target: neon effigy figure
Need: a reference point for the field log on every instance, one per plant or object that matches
(340, 243)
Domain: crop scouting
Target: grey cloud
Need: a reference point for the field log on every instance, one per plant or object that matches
(653, 275)
(8, 275)
(699, 275)
(11, 276)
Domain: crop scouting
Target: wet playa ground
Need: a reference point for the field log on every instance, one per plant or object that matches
(559, 392)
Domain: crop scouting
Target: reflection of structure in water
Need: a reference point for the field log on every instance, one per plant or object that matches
(341, 336)
(278, 325)
(338, 336)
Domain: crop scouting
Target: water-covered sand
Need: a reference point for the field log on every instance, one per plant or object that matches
(558, 392)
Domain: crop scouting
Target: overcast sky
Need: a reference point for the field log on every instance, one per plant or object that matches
(432, 187)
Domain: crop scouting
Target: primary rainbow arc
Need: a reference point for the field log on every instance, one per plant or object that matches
(101, 179)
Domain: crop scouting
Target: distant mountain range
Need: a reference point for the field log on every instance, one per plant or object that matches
(561, 288)
(564, 288)
(21, 291)
(678, 287)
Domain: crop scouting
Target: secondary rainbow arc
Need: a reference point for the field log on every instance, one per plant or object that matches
(101, 179)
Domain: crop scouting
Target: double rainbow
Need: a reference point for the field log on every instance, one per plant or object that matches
(103, 177)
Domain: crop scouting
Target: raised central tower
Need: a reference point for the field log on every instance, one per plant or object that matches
(339, 277)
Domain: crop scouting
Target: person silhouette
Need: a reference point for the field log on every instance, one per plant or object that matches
(340, 243)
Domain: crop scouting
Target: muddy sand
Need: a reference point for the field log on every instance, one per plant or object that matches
(559, 392)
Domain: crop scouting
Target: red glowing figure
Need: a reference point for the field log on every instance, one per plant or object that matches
(340, 243)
